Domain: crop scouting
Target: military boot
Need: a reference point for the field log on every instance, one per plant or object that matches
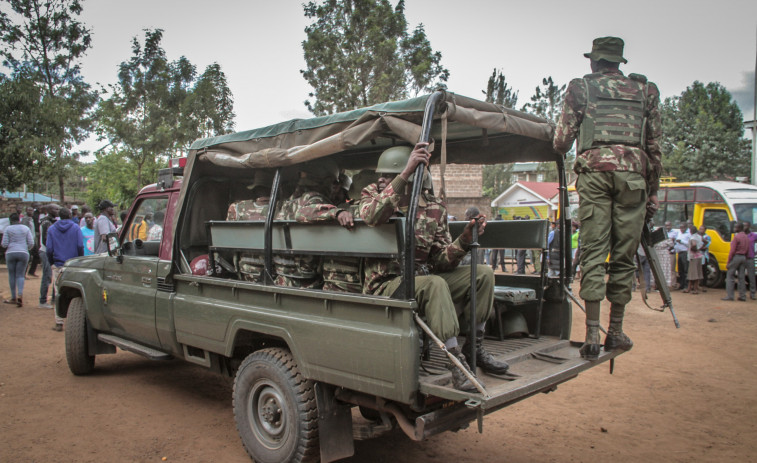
(484, 359)
(459, 380)
(590, 349)
(616, 338)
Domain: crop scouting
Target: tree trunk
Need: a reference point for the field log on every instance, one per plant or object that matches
(62, 190)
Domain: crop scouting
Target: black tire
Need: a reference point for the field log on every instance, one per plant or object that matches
(77, 346)
(275, 408)
(715, 276)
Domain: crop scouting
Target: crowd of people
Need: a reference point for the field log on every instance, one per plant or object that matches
(45, 237)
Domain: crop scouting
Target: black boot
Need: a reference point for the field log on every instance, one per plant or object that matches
(484, 359)
(459, 380)
(618, 341)
(590, 349)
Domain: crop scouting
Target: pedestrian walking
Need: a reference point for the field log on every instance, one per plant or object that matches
(64, 242)
(737, 263)
(50, 217)
(17, 240)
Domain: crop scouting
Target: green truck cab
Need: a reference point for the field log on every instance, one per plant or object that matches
(303, 359)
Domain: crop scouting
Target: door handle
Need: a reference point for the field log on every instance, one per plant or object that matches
(146, 281)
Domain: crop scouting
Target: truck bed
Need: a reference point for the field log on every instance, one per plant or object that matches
(536, 365)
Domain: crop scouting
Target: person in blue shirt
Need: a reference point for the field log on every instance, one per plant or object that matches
(88, 233)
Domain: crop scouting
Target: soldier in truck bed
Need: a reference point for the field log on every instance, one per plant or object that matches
(309, 203)
(439, 281)
(252, 265)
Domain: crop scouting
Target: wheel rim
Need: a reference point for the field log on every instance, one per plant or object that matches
(268, 413)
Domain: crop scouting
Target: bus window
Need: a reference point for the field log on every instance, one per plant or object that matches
(676, 212)
(717, 219)
(708, 195)
(680, 194)
(746, 212)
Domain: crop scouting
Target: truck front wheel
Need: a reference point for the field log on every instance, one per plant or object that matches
(275, 408)
(77, 350)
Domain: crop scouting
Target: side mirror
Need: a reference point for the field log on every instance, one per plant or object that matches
(114, 247)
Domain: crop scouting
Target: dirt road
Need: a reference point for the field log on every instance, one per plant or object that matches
(679, 395)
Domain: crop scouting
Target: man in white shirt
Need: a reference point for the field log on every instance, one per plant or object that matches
(681, 248)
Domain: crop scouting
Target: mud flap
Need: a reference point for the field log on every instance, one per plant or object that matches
(334, 425)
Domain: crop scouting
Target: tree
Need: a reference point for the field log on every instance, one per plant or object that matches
(499, 92)
(44, 43)
(703, 134)
(209, 109)
(358, 53)
(496, 178)
(22, 131)
(546, 101)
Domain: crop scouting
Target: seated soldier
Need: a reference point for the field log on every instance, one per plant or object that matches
(439, 281)
(309, 203)
(252, 265)
(342, 273)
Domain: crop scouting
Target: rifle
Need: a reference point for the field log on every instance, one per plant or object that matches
(648, 239)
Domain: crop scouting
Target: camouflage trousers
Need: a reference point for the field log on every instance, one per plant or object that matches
(611, 211)
(437, 295)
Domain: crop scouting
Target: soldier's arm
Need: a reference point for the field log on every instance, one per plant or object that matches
(377, 208)
(654, 133)
(316, 209)
(446, 254)
(570, 117)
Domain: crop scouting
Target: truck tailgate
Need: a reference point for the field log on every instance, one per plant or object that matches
(536, 365)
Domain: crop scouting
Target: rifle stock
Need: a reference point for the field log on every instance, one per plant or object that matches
(647, 243)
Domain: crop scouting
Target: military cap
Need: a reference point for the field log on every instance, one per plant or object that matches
(321, 169)
(261, 178)
(608, 49)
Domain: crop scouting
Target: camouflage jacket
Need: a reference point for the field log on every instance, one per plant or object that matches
(646, 160)
(303, 271)
(434, 249)
(248, 209)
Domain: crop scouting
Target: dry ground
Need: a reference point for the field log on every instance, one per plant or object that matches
(679, 395)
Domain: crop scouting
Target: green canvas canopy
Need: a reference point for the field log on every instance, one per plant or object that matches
(474, 132)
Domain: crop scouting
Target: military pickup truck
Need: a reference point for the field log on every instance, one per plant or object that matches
(315, 369)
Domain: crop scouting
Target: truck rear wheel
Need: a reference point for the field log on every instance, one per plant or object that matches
(275, 408)
(77, 350)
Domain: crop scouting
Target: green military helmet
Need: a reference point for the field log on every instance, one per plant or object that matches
(261, 178)
(321, 169)
(393, 160)
(514, 324)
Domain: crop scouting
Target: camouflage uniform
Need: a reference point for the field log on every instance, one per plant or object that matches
(435, 253)
(251, 265)
(616, 171)
(303, 271)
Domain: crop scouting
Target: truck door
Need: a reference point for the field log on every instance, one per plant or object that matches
(130, 285)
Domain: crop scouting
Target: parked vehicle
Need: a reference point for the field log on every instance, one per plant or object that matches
(303, 359)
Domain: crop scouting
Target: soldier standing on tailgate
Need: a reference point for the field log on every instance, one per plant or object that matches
(310, 203)
(439, 280)
(616, 124)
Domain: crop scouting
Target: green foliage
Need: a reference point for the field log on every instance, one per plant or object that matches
(703, 135)
(358, 53)
(111, 176)
(496, 177)
(547, 100)
(157, 108)
(43, 41)
(22, 135)
(499, 92)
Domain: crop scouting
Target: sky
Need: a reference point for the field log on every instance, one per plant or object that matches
(258, 44)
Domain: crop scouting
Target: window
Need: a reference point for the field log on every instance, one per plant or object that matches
(717, 219)
(746, 212)
(147, 224)
(708, 195)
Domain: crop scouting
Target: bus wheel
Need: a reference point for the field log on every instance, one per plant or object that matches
(715, 276)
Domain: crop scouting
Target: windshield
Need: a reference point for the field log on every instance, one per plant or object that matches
(746, 212)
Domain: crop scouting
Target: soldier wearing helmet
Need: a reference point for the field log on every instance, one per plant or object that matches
(310, 203)
(439, 281)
